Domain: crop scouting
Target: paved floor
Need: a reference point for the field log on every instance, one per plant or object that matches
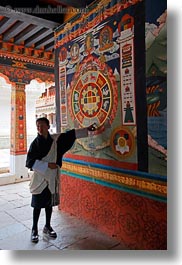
(16, 222)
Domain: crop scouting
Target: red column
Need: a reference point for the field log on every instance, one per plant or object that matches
(18, 120)
(18, 149)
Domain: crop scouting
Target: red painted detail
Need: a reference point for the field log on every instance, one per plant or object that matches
(138, 222)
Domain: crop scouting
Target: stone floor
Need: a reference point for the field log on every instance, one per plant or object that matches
(16, 222)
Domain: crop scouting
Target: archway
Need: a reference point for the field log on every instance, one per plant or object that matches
(5, 123)
(34, 91)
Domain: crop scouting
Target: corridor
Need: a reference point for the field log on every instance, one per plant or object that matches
(16, 222)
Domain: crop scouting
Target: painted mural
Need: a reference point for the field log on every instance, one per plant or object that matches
(101, 61)
(111, 67)
(156, 84)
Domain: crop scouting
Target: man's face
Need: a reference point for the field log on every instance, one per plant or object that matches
(42, 128)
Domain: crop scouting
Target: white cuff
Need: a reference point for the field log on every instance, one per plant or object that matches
(81, 133)
(40, 166)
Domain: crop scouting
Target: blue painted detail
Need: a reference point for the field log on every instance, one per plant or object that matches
(141, 174)
(116, 186)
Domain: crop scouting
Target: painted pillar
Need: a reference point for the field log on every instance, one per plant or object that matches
(18, 148)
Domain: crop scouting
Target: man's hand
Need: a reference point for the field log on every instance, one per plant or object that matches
(92, 127)
(52, 165)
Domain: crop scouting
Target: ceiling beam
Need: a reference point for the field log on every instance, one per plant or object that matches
(44, 41)
(49, 46)
(26, 33)
(14, 30)
(5, 23)
(28, 18)
(37, 36)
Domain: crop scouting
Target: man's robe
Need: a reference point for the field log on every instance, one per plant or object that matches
(49, 150)
(40, 147)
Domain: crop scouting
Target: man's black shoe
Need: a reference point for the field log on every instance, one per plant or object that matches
(34, 236)
(49, 231)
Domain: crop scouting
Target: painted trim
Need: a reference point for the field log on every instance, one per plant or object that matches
(118, 170)
(159, 193)
(115, 186)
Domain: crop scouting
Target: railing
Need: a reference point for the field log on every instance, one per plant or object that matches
(45, 101)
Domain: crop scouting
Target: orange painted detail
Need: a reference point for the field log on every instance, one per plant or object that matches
(26, 54)
(24, 75)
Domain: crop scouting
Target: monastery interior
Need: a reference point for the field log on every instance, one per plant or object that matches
(82, 62)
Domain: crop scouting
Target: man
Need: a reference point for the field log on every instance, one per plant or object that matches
(44, 159)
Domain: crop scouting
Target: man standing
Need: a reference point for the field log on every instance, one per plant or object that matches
(44, 159)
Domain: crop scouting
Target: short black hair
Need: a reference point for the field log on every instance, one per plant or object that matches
(44, 119)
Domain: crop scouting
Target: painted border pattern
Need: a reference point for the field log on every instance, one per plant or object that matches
(152, 188)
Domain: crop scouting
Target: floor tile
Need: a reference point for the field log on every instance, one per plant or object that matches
(72, 233)
(22, 241)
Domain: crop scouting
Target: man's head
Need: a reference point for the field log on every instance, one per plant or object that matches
(42, 126)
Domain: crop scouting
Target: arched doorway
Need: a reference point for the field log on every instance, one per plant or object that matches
(5, 123)
(33, 91)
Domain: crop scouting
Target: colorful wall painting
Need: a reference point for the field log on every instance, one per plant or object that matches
(116, 178)
(105, 78)
(156, 84)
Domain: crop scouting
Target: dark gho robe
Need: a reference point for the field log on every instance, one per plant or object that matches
(40, 147)
(41, 152)
(44, 184)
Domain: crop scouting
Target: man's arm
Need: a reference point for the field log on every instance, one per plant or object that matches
(66, 140)
(81, 133)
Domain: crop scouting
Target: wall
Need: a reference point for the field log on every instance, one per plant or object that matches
(105, 72)
(139, 222)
